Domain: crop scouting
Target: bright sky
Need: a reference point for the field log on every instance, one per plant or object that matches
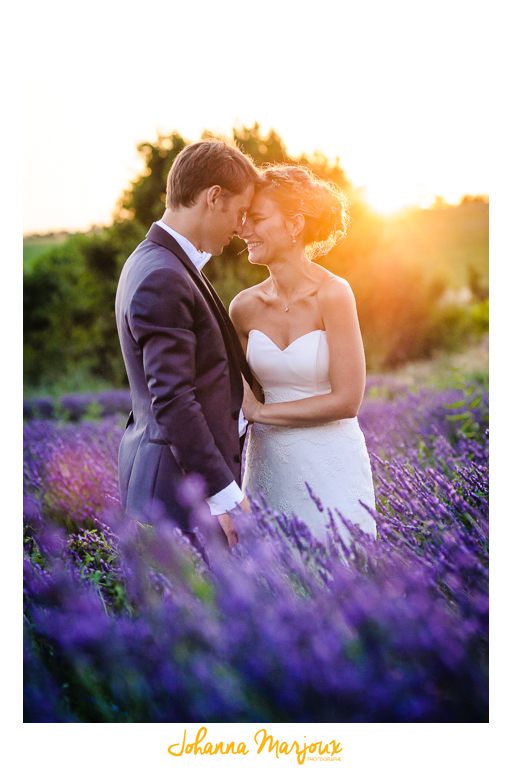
(397, 90)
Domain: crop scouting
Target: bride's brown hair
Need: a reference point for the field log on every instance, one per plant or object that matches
(296, 190)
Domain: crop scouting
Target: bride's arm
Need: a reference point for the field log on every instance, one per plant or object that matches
(346, 368)
(238, 310)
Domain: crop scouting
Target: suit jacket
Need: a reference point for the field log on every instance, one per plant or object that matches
(184, 361)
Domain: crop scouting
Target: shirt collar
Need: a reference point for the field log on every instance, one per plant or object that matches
(198, 258)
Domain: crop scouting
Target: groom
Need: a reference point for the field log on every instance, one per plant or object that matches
(182, 355)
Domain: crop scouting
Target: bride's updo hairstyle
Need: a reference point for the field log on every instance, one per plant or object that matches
(296, 190)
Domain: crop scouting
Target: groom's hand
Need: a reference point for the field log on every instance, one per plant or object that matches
(228, 527)
(245, 505)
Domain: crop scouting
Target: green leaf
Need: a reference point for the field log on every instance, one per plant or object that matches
(455, 404)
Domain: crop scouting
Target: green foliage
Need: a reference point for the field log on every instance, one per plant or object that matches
(400, 269)
(97, 559)
(69, 295)
(93, 413)
(36, 245)
(465, 420)
(144, 201)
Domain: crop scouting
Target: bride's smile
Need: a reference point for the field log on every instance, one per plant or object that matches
(268, 233)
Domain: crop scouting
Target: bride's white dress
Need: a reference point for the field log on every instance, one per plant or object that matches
(332, 457)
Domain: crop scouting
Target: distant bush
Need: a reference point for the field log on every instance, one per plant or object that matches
(70, 333)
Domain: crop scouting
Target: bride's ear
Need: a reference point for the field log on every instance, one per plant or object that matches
(296, 226)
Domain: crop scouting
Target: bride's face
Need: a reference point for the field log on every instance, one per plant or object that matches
(266, 230)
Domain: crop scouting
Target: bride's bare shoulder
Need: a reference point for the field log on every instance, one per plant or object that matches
(331, 283)
(334, 291)
(245, 303)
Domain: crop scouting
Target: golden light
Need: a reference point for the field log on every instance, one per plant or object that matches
(416, 125)
(388, 199)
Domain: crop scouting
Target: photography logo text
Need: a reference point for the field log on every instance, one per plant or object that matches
(263, 742)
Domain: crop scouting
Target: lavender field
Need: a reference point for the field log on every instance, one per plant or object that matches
(125, 624)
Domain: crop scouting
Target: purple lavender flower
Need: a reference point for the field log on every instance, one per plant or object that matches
(127, 623)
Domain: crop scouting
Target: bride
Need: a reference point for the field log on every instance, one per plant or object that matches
(300, 333)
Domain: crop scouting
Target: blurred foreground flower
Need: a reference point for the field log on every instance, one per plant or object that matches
(127, 623)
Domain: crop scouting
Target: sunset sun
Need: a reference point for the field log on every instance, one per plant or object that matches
(389, 198)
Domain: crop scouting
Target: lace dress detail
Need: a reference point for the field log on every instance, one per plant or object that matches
(332, 457)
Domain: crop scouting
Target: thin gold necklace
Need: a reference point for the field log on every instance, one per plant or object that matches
(286, 306)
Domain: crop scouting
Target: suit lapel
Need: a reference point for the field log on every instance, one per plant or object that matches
(235, 352)
(237, 347)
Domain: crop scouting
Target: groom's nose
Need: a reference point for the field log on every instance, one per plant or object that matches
(240, 224)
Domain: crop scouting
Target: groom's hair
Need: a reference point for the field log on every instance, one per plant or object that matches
(204, 164)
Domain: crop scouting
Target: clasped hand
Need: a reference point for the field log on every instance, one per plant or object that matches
(250, 405)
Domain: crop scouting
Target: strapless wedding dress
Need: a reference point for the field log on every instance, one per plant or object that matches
(332, 457)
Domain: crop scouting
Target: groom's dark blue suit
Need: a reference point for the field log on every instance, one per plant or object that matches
(184, 362)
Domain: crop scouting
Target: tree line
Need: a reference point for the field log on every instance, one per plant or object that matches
(401, 270)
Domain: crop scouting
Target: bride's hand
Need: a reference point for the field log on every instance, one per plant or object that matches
(250, 405)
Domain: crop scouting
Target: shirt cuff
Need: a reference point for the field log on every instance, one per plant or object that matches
(242, 424)
(225, 500)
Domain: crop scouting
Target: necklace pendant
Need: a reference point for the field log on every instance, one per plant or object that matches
(286, 308)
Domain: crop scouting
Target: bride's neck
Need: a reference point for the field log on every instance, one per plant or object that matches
(289, 276)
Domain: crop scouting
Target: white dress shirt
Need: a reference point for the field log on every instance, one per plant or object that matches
(228, 497)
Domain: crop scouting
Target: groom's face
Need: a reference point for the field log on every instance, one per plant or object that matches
(228, 219)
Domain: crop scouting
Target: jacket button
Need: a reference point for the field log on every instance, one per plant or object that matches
(234, 414)
(236, 458)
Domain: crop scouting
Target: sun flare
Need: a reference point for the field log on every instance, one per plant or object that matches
(388, 200)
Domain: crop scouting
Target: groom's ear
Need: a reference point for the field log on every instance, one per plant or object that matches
(213, 195)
